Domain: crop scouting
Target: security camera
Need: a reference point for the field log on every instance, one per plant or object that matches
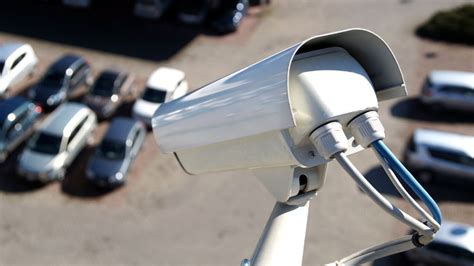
(284, 118)
(261, 117)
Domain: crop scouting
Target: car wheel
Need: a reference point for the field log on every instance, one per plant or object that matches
(425, 176)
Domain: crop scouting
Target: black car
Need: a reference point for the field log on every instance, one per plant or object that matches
(193, 12)
(113, 157)
(232, 13)
(108, 92)
(17, 119)
(62, 81)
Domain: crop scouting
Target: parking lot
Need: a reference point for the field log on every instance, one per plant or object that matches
(163, 216)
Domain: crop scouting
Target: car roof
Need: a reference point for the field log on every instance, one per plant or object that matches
(65, 62)
(446, 140)
(10, 105)
(456, 234)
(119, 129)
(455, 78)
(6, 49)
(165, 78)
(66, 114)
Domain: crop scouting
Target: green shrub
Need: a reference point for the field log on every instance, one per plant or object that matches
(456, 25)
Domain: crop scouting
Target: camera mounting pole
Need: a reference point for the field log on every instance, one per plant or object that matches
(283, 238)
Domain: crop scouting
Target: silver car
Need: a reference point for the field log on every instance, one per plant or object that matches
(432, 152)
(449, 90)
(453, 245)
(57, 142)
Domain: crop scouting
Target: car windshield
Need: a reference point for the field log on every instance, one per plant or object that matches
(111, 150)
(53, 79)
(155, 96)
(45, 143)
(104, 86)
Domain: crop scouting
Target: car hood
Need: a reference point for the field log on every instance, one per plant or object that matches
(42, 93)
(104, 168)
(144, 108)
(36, 162)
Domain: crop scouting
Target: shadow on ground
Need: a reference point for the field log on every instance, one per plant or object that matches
(444, 188)
(413, 109)
(109, 26)
(75, 182)
(10, 182)
(394, 260)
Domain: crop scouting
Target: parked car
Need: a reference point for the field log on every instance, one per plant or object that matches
(17, 61)
(58, 141)
(432, 152)
(113, 157)
(193, 12)
(449, 90)
(151, 9)
(18, 117)
(108, 92)
(77, 3)
(163, 85)
(453, 245)
(233, 12)
(63, 80)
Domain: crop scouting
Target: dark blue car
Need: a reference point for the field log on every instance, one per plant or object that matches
(113, 157)
(63, 79)
(17, 119)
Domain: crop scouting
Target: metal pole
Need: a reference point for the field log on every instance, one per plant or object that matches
(282, 241)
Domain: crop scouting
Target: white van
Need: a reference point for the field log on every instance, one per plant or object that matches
(163, 85)
(433, 153)
(17, 61)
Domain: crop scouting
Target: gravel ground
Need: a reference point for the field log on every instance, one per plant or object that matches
(164, 217)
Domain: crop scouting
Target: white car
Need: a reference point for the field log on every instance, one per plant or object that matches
(431, 153)
(453, 245)
(77, 3)
(163, 85)
(449, 90)
(17, 61)
(56, 144)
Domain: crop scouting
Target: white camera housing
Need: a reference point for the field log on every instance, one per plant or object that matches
(261, 117)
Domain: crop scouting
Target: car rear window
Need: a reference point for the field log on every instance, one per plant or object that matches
(457, 90)
(53, 78)
(45, 143)
(104, 85)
